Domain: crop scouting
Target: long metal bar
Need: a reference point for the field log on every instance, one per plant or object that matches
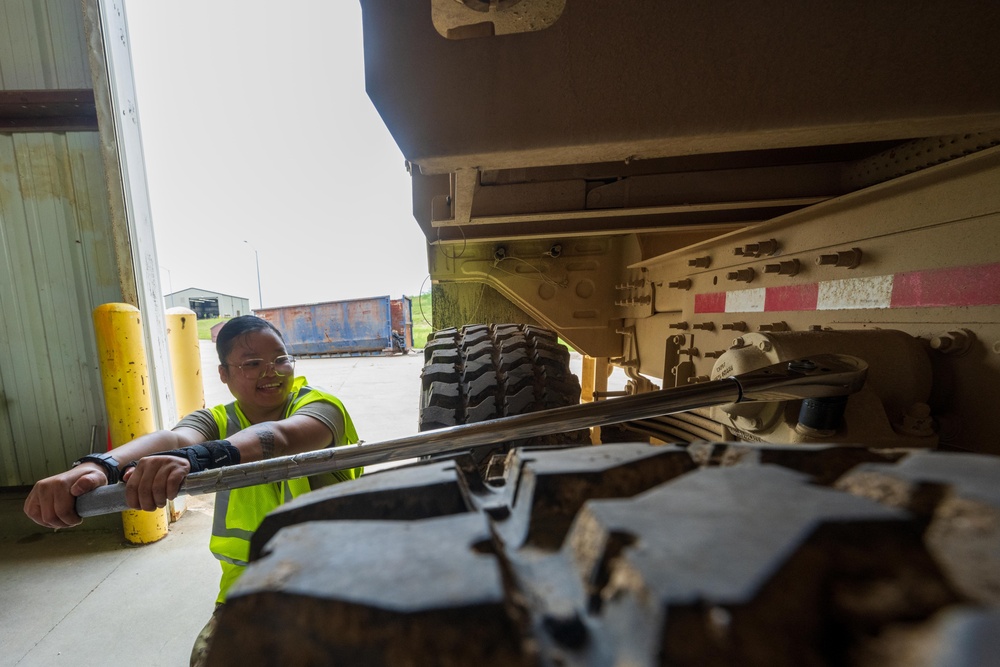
(814, 377)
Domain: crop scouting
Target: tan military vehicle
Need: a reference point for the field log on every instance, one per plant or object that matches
(688, 191)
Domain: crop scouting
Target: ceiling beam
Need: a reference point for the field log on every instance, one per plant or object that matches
(47, 111)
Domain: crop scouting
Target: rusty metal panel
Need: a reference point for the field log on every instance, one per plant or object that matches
(356, 326)
(402, 318)
(55, 264)
(44, 45)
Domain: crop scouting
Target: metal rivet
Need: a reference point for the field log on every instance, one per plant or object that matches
(847, 259)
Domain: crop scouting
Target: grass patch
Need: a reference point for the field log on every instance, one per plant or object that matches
(422, 326)
(205, 326)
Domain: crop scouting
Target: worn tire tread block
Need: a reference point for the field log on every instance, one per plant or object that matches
(424, 599)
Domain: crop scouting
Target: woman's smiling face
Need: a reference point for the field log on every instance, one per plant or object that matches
(260, 392)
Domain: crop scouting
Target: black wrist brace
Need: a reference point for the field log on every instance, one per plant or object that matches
(207, 456)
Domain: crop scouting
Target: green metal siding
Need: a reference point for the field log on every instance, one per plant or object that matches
(55, 264)
(42, 45)
(56, 259)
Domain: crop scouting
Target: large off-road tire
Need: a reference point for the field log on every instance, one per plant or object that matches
(482, 372)
(631, 554)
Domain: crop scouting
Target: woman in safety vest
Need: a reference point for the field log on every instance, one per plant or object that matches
(274, 414)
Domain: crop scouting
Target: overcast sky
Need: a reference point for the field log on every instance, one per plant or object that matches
(256, 127)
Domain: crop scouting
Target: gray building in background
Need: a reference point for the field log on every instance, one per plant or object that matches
(208, 304)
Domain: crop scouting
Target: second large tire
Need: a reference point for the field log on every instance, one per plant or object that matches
(482, 372)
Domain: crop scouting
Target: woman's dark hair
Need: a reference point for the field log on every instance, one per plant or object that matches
(237, 327)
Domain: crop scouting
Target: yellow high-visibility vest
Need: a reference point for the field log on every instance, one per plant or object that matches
(239, 512)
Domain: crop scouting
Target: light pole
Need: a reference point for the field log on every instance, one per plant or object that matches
(256, 256)
(170, 283)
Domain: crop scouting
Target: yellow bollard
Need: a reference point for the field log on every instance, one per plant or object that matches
(125, 376)
(595, 379)
(587, 380)
(185, 370)
(185, 360)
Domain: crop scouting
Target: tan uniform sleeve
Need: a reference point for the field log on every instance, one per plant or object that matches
(201, 421)
(330, 415)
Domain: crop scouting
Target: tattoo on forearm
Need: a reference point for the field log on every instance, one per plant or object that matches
(266, 437)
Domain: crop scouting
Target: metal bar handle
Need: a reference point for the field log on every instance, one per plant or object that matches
(813, 377)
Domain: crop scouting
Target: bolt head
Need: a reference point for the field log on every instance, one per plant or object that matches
(802, 365)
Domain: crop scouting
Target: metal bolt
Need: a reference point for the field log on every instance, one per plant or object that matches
(680, 284)
(738, 343)
(679, 325)
(704, 326)
(691, 352)
(953, 342)
(699, 378)
(788, 268)
(942, 343)
(847, 259)
(735, 326)
(765, 345)
(802, 365)
(774, 326)
(715, 354)
(768, 247)
(738, 251)
(743, 275)
(700, 262)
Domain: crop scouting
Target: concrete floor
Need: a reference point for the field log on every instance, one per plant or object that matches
(84, 597)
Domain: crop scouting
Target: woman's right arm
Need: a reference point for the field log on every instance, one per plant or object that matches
(52, 501)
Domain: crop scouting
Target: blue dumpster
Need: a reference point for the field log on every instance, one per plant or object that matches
(335, 328)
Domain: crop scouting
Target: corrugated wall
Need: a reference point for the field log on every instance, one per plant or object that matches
(56, 256)
(42, 45)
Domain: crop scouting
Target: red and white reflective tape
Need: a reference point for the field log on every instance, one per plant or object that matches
(934, 288)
